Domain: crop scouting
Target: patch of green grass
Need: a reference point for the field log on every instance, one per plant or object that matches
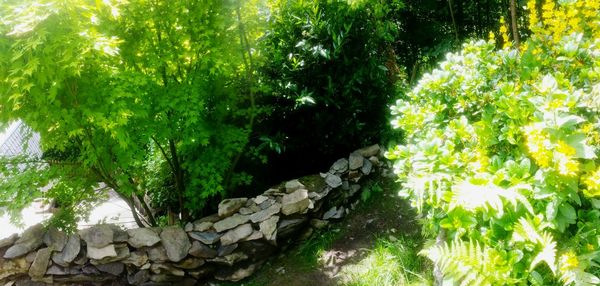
(392, 262)
(309, 252)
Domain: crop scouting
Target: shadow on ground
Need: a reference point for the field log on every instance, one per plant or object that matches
(336, 254)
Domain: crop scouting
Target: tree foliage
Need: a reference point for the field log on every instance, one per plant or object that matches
(140, 96)
(501, 153)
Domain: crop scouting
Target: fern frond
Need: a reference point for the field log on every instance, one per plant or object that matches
(470, 263)
(488, 197)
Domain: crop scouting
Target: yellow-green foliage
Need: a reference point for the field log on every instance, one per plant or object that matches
(501, 153)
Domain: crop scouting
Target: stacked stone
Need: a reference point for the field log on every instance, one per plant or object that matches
(229, 245)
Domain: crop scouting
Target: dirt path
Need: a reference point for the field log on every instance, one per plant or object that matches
(326, 257)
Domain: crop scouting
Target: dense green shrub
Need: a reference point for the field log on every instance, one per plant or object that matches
(501, 154)
(331, 71)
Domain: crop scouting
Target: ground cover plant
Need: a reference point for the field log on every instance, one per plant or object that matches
(500, 155)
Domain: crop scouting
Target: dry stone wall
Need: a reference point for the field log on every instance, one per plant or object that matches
(229, 245)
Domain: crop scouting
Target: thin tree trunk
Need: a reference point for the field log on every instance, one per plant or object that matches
(453, 20)
(513, 20)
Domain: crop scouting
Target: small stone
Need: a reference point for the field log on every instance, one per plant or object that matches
(237, 274)
(119, 235)
(246, 211)
(101, 252)
(138, 277)
(268, 227)
(157, 253)
(295, 202)
(205, 237)
(188, 227)
(226, 249)
(330, 213)
(202, 226)
(230, 206)
(140, 237)
(340, 213)
(122, 251)
(366, 167)
(114, 268)
(292, 186)
(69, 252)
(374, 160)
(236, 234)
(259, 199)
(369, 151)
(202, 250)
(190, 263)
(30, 257)
(55, 238)
(136, 258)
(254, 236)
(40, 263)
(161, 268)
(89, 269)
(354, 175)
(230, 259)
(340, 166)
(333, 181)
(266, 213)
(176, 243)
(230, 222)
(355, 161)
(56, 270)
(98, 236)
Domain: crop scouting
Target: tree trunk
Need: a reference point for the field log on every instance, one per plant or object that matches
(453, 20)
(513, 20)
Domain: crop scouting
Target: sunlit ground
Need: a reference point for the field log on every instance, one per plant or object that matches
(113, 210)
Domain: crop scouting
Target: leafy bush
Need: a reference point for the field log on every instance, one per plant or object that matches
(501, 154)
(331, 68)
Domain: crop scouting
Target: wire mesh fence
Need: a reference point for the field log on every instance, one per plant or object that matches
(19, 139)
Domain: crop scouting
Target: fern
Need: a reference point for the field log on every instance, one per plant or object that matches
(470, 263)
(487, 197)
(527, 231)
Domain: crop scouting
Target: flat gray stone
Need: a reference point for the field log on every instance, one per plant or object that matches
(292, 186)
(136, 258)
(333, 181)
(254, 236)
(56, 270)
(176, 243)
(55, 238)
(119, 234)
(202, 226)
(31, 239)
(202, 250)
(157, 253)
(369, 151)
(40, 263)
(355, 161)
(268, 227)
(190, 263)
(295, 202)
(266, 213)
(71, 249)
(330, 213)
(163, 268)
(236, 234)
(230, 206)
(366, 167)
(205, 237)
(230, 222)
(259, 199)
(114, 268)
(140, 237)
(98, 236)
(340, 166)
(122, 251)
(99, 253)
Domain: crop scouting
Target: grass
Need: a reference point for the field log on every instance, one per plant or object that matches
(392, 262)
